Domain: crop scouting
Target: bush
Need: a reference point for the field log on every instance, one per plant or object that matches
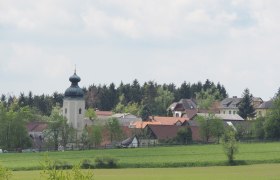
(5, 173)
(50, 170)
(105, 162)
(230, 144)
(62, 165)
(87, 164)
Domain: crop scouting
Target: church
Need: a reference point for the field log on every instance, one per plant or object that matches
(74, 104)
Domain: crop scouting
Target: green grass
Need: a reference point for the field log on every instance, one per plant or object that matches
(251, 172)
(176, 156)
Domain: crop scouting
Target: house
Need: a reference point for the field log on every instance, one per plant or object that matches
(181, 107)
(178, 121)
(189, 107)
(264, 108)
(160, 120)
(35, 131)
(230, 105)
(158, 133)
(125, 119)
(142, 124)
(103, 114)
(130, 142)
(224, 117)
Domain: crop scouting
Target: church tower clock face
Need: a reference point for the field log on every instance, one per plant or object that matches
(74, 103)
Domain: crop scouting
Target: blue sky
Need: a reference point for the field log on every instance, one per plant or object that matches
(234, 42)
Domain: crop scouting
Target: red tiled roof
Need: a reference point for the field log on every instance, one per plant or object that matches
(190, 113)
(36, 126)
(163, 132)
(103, 113)
(169, 120)
(143, 124)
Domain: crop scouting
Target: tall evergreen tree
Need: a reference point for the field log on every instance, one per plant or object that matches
(246, 109)
(136, 95)
(185, 91)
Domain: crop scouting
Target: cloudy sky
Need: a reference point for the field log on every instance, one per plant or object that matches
(234, 42)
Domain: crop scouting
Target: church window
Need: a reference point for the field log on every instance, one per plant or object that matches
(80, 111)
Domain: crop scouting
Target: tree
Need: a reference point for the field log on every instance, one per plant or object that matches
(205, 98)
(204, 127)
(258, 128)
(58, 130)
(216, 128)
(230, 144)
(132, 108)
(272, 123)
(84, 139)
(95, 136)
(246, 109)
(185, 90)
(13, 132)
(184, 135)
(163, 100)
(210, 126)
(114, 129)
(136, 94)
(145, 112)
(90, 113)
(150, 93)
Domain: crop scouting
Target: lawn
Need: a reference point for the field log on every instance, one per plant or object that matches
(176, 156)
(254, 172)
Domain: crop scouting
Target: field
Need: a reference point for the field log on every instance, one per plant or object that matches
(254, 172)
(176, 156)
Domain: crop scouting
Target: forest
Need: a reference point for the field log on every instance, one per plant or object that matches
(123, 97)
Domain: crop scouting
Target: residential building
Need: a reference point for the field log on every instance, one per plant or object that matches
(230, 105)
(184, 106)
(264, 108)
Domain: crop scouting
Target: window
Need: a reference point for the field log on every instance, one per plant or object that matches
(233, 112)
(65, 110)
(80, 111)
(224, 112)
(229, 112)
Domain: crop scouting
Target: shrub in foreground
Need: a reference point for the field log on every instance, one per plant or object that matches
(105, 162)
(51, 172)
(5, 173)
(230, 144)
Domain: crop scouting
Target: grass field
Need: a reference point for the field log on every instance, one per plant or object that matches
(176, 156)
(251, 172)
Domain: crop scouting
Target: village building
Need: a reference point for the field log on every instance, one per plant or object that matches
(230, 105)
(264, 108)
(74, 104)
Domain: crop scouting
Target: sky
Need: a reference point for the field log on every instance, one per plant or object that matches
(234, 42)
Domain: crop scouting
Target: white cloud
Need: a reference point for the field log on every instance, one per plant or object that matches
(28, 59)
(234, 41)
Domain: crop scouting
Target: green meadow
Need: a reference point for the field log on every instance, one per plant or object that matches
(154, 157)
(250, 172)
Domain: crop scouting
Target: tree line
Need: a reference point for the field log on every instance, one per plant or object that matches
(124, 98)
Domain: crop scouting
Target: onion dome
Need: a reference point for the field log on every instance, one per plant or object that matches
(74, 91)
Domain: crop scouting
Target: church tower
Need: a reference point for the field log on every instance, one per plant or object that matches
(74, 103)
